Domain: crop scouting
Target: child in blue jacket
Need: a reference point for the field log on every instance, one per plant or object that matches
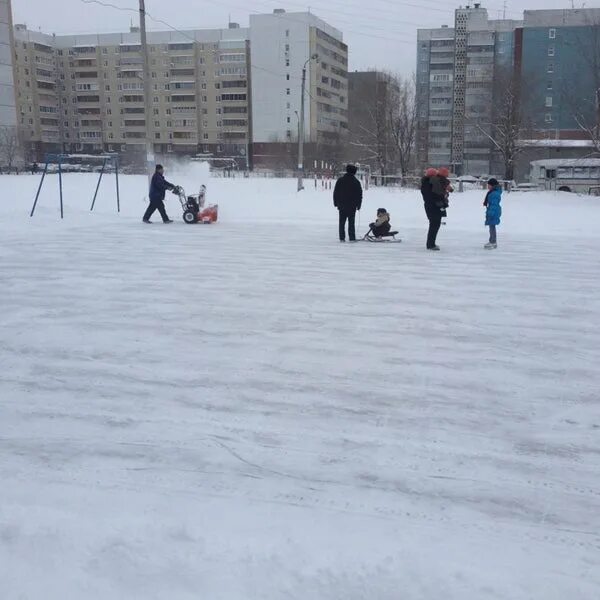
(493, 211)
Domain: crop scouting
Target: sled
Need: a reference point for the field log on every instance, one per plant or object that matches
(386, 238)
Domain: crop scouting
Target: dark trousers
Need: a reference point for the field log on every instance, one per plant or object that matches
(156, 205)
(492, 234)
(434, 214)
(350, 216)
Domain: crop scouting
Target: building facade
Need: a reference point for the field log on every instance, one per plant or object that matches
(551, 58)
(281, 45)
(560, 53)
(86, 93)
(457, 70)
(214, 93)
(8, 114)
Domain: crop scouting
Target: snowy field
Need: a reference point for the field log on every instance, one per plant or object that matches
(252, 410)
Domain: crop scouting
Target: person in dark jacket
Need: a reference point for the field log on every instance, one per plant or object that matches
(158, 188)
(347, 198)
(432, 208)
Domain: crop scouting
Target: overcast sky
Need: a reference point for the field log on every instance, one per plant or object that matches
(380, 33)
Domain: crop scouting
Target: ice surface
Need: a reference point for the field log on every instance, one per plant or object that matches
(252, 410)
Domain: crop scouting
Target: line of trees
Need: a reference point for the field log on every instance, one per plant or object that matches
(9, 146)
(385, 135)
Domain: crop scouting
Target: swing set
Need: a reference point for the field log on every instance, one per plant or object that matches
(108, 161)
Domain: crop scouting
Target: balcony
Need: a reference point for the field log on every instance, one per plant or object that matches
(139, 123)
(175, 72)
(184, 137)
(188, 98)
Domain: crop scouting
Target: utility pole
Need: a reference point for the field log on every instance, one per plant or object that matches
(147, 91)
(301, 128)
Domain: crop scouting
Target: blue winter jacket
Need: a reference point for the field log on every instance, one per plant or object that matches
(494, 210)
(159, 186)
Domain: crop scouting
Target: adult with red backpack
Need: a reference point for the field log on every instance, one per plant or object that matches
(435, 189)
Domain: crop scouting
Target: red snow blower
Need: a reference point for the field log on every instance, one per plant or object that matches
(194, 209)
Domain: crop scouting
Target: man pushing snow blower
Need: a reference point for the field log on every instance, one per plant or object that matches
(158, 187)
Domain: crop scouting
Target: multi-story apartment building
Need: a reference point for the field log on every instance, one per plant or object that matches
(552, 58)
(281, 45)
(456, 73)
(86, 93)
(559, 52)
(8, 116)
(213, 92)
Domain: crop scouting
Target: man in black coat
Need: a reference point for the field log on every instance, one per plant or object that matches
(158, 188)
(347, 198)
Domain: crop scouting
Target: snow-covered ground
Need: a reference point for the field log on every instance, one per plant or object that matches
(252, 410)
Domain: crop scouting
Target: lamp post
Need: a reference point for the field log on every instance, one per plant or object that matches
(301, 126)
(147, 104)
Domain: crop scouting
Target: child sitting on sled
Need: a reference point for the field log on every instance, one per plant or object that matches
(381, 226)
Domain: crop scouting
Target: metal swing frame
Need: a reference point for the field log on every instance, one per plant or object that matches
(60, 159)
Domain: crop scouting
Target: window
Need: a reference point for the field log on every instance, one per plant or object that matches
(550, 50)
(287, 91)
(289, 120)
(287, 33)
(156, 111)
(550, 67)
(548, 117)
(287, 77)
(205, 136)
(549, 101)
(157, 136)
(552, 34)
(549, 85)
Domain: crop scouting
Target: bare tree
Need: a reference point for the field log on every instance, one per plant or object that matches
(9, 145)
(508, 122)
(584, 104)
(370, 139)
(402, 119)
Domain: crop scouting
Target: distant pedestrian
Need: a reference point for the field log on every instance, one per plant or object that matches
(158, 188)
(347, 198)
(34, 168)
(493, 211)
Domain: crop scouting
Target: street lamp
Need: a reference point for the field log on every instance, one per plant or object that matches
(301, 126)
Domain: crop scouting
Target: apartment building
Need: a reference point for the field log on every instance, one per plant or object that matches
(559, 55)
(282, 44)
(457, 69)
(8, 115)
(552, 55)
(85, 93)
